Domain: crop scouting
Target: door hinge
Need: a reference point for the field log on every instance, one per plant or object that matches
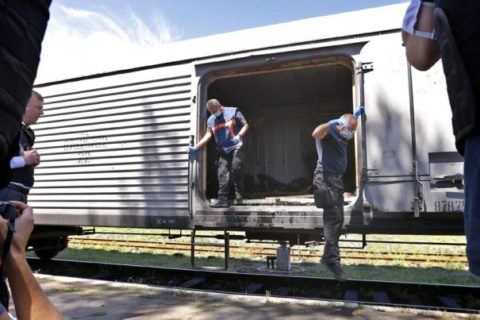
(366, 67)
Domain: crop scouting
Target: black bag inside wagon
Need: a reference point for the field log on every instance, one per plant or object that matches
(324, 196)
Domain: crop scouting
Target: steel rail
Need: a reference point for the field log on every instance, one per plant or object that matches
(447, 298)
(268, 251)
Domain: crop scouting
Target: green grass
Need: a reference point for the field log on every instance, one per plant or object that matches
(397, 270)
(114, 256)
(409, 274)
(98, 314)
(354, 271)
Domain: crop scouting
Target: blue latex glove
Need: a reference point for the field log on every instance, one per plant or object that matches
(191, 150)
(338, 122)
(359, 111)
(237, 139)
(347, 134)
(410, 19)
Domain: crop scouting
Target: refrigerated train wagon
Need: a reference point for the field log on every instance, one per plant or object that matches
(113, 144)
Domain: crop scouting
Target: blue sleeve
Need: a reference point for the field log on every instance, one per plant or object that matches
(2, 309)
(331, 132)
(241, 118)
(17, 162)
(210, 124)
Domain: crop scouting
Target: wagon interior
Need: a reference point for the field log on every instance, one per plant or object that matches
(282, 107)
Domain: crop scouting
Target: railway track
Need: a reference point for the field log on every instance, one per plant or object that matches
(263, 251)
(447, 298)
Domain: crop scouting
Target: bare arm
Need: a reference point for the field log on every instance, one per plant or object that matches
(29, 299)
(204, 140)
(244, 130)
(422, 53)
(321, 131)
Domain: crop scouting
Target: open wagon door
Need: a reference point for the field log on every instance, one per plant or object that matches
(389, 174)
(405, 161)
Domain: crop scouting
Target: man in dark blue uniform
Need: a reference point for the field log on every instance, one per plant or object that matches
(27, 159)
(450, 30)
(331, 141)
(228, 126)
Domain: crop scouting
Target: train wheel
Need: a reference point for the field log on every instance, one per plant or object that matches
(46, 254)
(46, 249)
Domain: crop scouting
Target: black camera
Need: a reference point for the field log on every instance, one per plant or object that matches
(7, 210)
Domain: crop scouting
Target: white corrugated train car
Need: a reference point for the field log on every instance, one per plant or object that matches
(113, 145)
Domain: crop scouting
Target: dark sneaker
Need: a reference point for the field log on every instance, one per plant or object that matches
(337, 271)
(334, 268)
(220, 203)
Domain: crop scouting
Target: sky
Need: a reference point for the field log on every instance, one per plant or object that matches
(92, 36)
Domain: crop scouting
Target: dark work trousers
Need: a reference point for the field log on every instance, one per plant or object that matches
(230, 164)
(7, 194)
(332, 218)
(472, 201)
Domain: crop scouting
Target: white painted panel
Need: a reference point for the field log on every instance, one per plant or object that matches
(64, 190)
(85, 160)
(159, 137)
(46, 171)
(115, 115)
(143, 130)
(114, 146)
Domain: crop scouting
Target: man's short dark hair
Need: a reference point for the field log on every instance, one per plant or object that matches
(38, 95)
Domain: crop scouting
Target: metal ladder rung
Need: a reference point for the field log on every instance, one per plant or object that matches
(226, 245)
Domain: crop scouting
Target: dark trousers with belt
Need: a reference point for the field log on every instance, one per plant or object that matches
(13, 192)
(230, 167)
(332, 217)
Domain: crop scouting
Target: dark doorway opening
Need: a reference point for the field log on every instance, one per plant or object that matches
(282, 107)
